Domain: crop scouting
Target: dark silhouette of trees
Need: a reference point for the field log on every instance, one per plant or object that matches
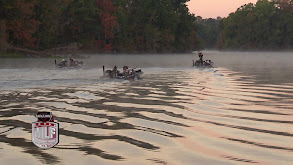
(265, 25)
(99, 25)
(141, 26)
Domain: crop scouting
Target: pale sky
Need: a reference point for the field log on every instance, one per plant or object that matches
(215, 8)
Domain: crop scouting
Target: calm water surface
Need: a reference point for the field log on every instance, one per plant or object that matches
(240, 112)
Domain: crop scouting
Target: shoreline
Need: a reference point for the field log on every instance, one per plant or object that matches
(86, 54)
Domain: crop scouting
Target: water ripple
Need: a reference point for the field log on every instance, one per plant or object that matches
(208, 116)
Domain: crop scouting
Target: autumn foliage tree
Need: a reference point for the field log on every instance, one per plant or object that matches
(99, 25)
(141, 26)
(108, 23)
(20, 23)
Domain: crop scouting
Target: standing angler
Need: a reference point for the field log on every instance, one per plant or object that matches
(200, 55)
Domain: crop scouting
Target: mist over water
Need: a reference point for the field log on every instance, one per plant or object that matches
(265, 66)
(239, 112)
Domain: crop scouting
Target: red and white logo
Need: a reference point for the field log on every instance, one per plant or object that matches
(45, 132)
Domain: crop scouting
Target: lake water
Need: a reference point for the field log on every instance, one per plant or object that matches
(240, 112)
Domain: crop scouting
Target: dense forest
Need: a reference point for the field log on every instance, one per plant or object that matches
(98, 25)
(207, 31)
(266, 25)
(140, 26)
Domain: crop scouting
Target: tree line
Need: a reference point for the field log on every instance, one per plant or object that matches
(141, 26)
(266, 25)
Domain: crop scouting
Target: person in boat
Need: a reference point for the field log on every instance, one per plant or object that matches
(115, 71)
(73, 62)
(125, 70)
(63, 62)
(200, 55)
